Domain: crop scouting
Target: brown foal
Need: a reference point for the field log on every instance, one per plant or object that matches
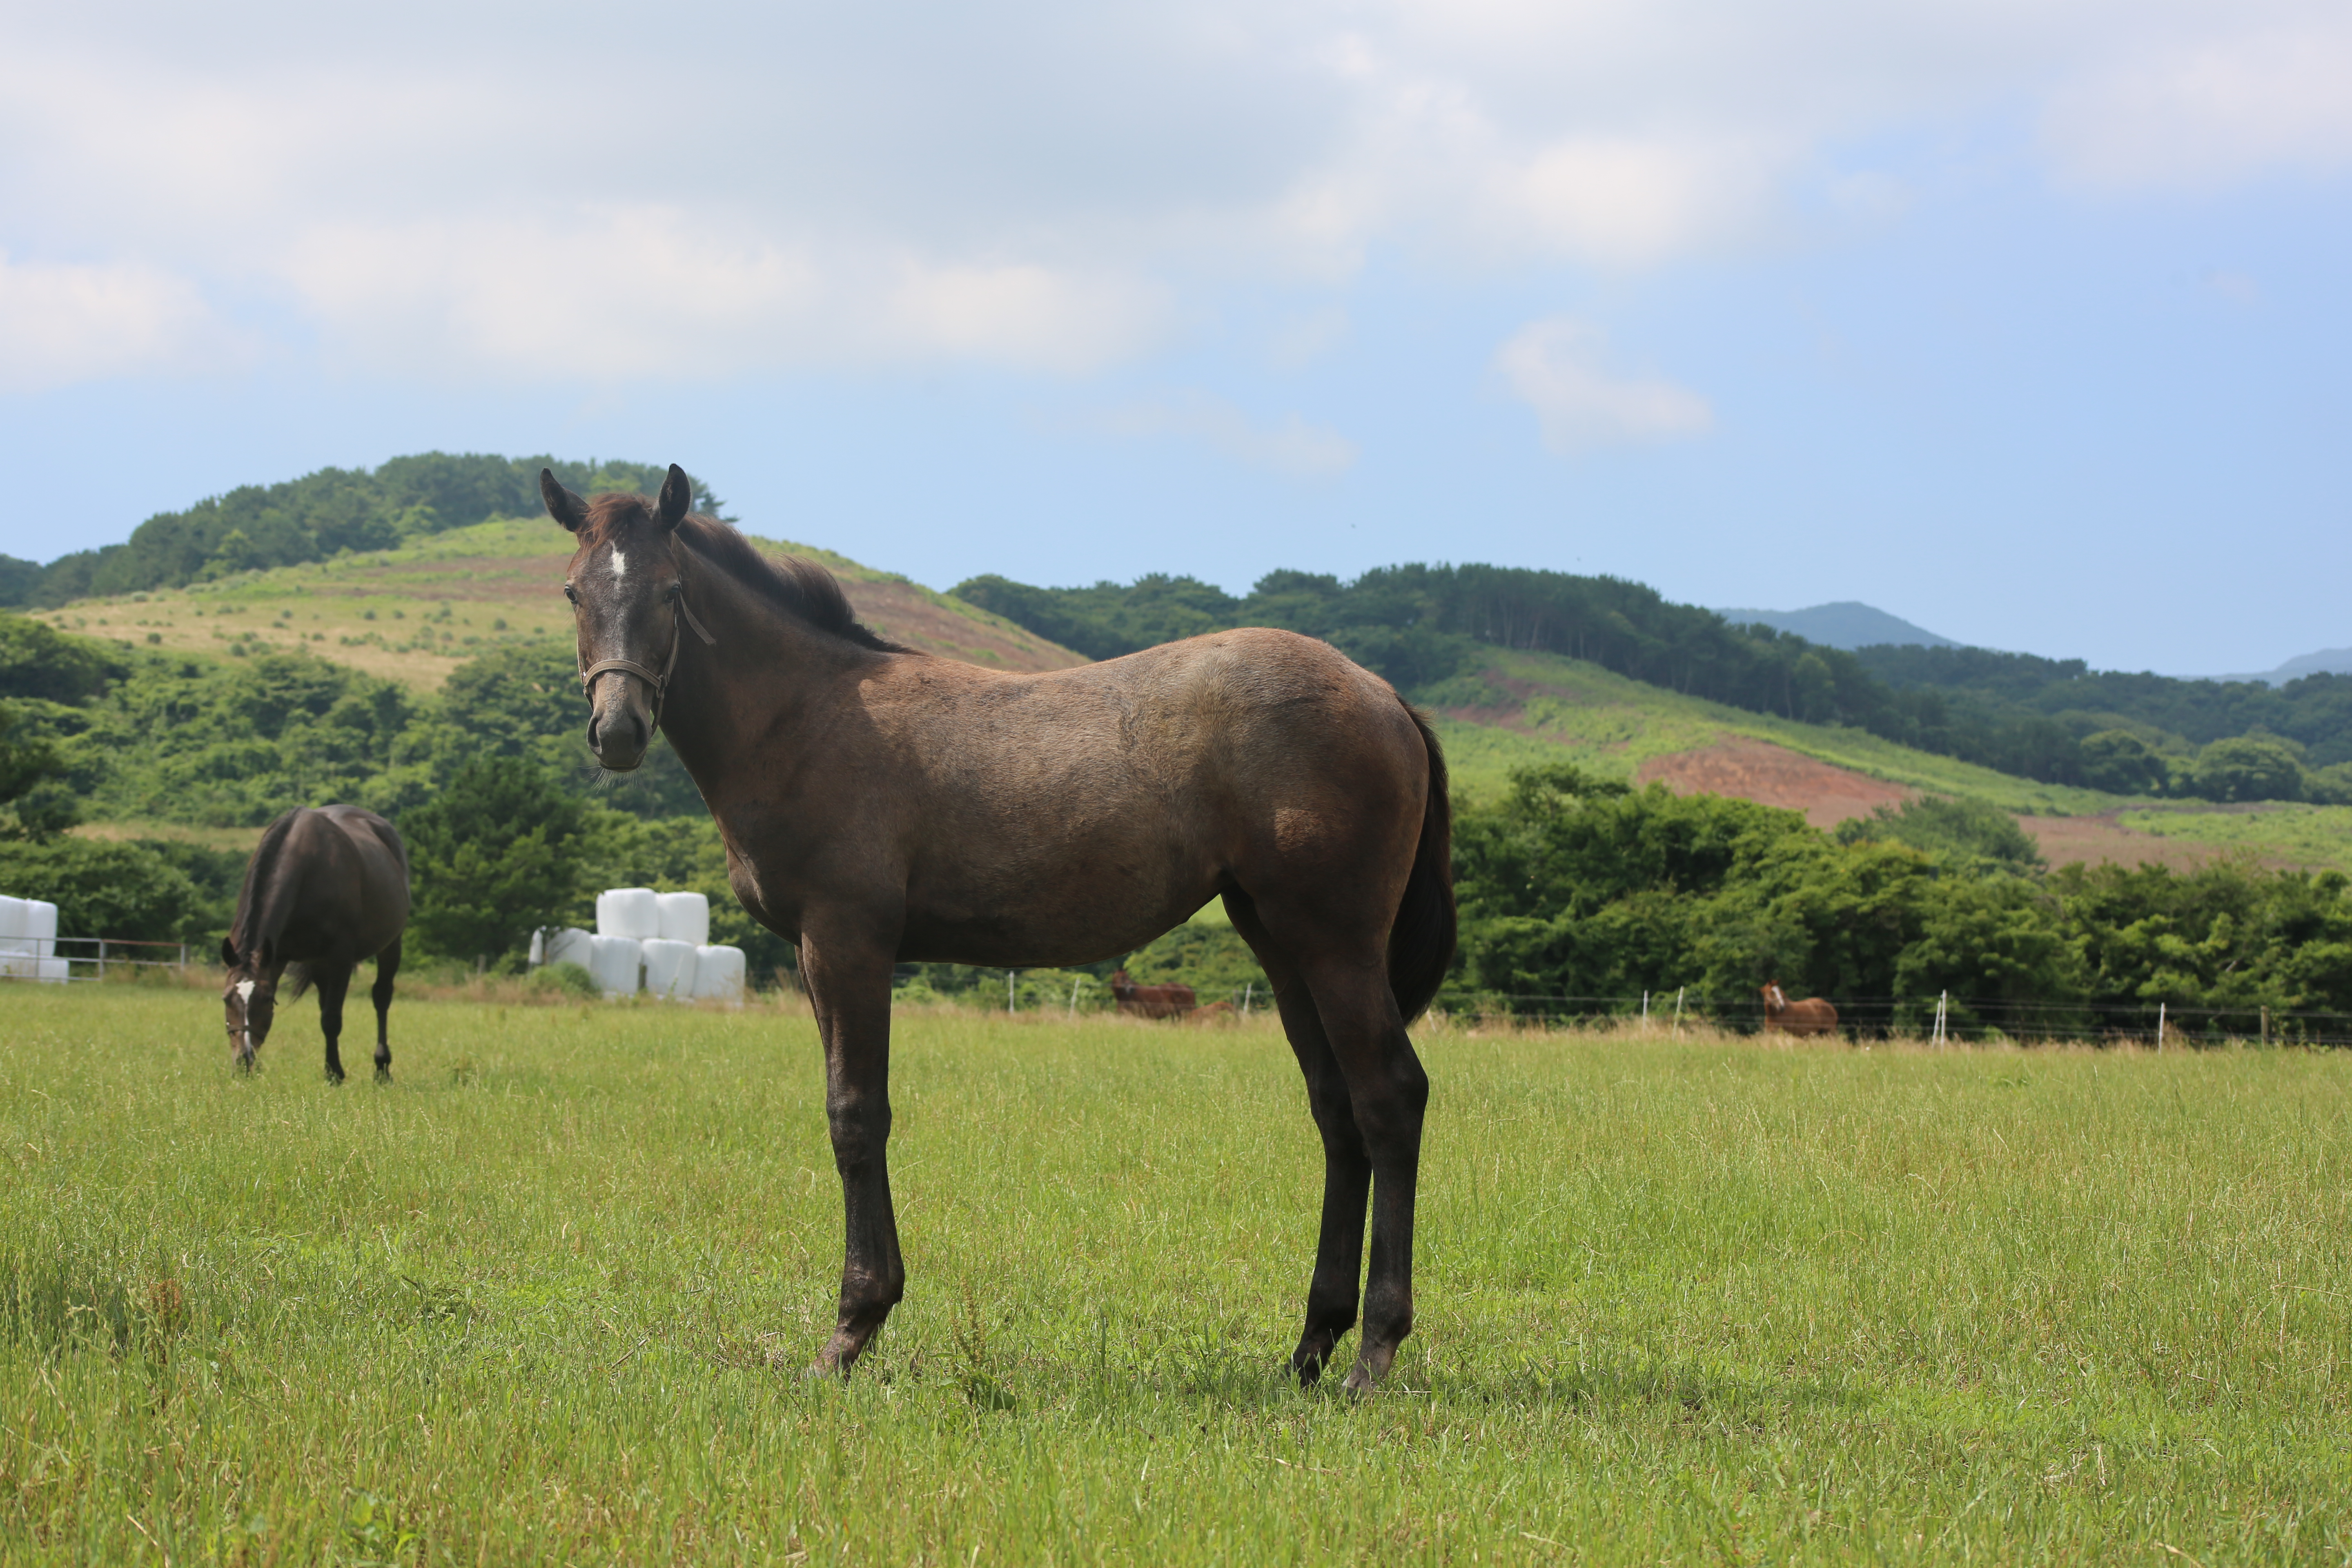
(881, 805)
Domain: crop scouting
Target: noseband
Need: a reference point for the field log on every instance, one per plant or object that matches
(660, 683)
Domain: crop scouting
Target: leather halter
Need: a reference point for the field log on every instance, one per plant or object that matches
(660, 683)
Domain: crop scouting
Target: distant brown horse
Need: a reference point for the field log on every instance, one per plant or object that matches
(1152, 1001)
(325, 889)
(880, 805)
(1810, 1017)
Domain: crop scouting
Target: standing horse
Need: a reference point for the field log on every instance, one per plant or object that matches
(325, 888)
(880, 805)
(1810, 1017)
(1152, 1001)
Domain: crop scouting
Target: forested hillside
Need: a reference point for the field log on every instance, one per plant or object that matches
(2052, 722)
(315, 517)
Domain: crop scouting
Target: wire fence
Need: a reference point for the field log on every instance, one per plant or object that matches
(1944, 1015)
(61, 960)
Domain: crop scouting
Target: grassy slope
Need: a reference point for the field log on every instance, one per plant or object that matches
(438, 602)
(1679, 1301)
(1545, 706)
(416, 613)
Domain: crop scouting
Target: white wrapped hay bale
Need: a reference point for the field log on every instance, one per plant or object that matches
(669, 968)
(15, 923)
(41, 928)
(633, 913)
(570, 945)
(613, 962)
(719, 973)
(685, 917)
(16, 961)
(53, 970)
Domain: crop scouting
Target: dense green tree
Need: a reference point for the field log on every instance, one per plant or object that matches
(1961, 830)
(2121, 761)
(127, 891)
(493, 857)
(39, 662)
(2248, 767)
(35, 801)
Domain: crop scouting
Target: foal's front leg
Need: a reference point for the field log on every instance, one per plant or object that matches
(849, 986)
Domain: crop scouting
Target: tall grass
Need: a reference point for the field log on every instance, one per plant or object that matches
(544, 1297)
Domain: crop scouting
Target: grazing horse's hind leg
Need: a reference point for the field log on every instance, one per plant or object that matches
(387, 964)
(849, 988)
(333, 980)
(1332, 1295)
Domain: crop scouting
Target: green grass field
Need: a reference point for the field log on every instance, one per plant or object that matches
(1680, 1301)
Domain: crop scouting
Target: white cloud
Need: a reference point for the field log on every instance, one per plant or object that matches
(1555, 366)
(2211, 111)
(62, 324)
(1041, 183)
(1289, 446)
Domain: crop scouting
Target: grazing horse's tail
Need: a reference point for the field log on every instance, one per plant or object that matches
(1421, 942)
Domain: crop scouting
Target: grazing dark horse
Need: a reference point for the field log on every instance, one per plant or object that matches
(880, 805)
(325, 889)
(1152, 1001)
(1810, 1017)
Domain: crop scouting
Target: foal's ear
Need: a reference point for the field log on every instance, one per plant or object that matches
(676, 499)
(229, 954)
(561, 505)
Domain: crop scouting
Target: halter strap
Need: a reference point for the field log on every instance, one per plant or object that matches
(660, 683)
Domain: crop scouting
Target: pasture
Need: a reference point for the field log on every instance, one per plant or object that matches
(1682, 1300)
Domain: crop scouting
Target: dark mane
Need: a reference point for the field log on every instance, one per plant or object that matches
(798, 588)
(246, 934)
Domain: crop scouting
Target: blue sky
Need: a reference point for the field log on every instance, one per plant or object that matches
(2026, 323)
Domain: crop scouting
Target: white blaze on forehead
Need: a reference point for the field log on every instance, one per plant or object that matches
(620, 564)
(245, 990)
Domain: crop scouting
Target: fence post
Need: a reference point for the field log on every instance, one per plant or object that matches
(1678, 1010)
(2160, 1025)
(1011, 989)
(1073, 996)
(101, 958)
(1646, 1012)
(2266, 1026)
(1249, 987)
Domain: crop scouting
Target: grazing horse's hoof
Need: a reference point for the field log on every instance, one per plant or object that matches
(334, 1081)
(1371, 1367)
(384, 1075)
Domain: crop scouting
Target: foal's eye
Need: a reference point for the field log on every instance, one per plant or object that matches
(569, 595)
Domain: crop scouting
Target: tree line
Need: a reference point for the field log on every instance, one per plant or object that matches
(316, 516)
(1578, 894)
(1425, 627)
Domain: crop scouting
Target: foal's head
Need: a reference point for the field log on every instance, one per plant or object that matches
(249, 997)
(623, 586)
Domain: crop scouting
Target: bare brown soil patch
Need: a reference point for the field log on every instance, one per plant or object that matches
(1773, 775)
(2093, 839)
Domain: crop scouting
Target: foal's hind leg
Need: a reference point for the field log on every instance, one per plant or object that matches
(387, 964)
(332, 981)
(1332, 1295)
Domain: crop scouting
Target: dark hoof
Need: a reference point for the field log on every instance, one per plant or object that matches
(384, 1075)
(334, 1081)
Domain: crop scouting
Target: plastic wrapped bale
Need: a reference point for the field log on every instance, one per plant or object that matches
(41, 927)
(632, 912)
(16, 939)
(671, 969)
(719, 973)
(613, 962)
(685, 917)
(53, 970)
(570, 945)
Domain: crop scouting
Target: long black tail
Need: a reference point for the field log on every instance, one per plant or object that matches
(1421, 942)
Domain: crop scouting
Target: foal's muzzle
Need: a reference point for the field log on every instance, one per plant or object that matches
(620, 725)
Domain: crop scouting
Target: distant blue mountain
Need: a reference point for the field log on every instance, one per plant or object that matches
(1847, 624)
(2327, 662)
